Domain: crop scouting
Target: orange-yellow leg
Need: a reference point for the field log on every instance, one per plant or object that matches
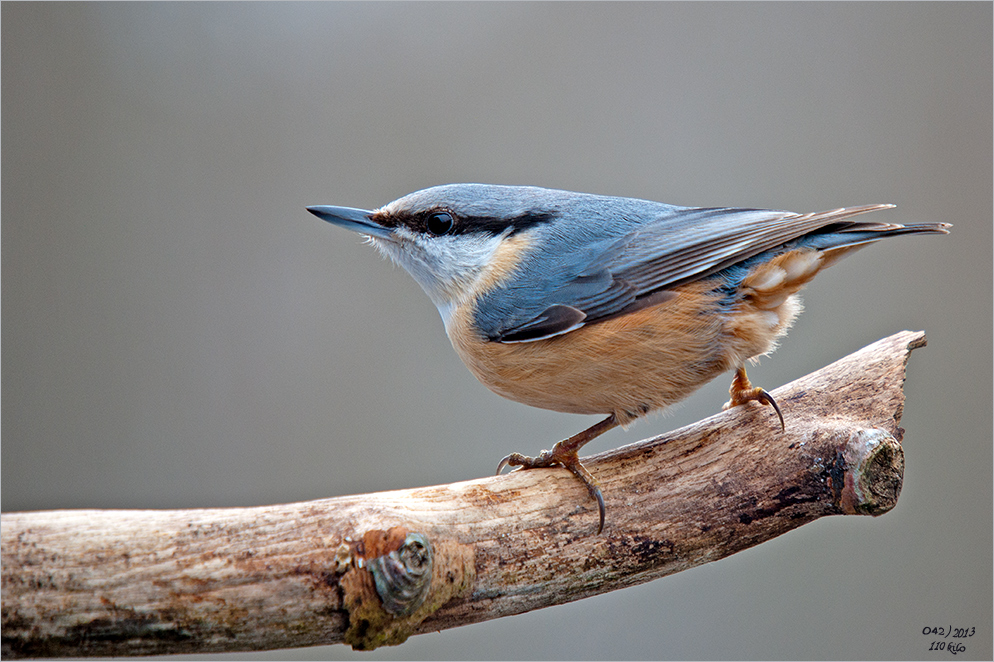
(742, 391)
(564, 454)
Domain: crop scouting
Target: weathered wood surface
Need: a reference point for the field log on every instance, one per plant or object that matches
(124, 582)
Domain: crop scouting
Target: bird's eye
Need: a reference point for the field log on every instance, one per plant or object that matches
(439, 223)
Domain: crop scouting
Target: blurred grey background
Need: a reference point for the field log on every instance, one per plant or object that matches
(179, 332)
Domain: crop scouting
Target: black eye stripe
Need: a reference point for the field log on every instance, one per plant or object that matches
(428, 222)
(497, 225)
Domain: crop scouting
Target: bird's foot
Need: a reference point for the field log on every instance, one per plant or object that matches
(742, 391)
(565, 454)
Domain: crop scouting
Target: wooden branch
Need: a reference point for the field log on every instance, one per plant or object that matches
(372, 569)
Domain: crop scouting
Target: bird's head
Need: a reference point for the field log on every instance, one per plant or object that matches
(447, 237)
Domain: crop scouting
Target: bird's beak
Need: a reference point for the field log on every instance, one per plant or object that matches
(357, 220)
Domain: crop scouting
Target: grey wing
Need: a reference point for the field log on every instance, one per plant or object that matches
(706, 241)
(619, 274)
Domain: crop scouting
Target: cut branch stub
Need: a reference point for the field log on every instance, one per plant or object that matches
(873, 474)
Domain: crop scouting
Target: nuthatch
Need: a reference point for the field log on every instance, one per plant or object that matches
(600, 305)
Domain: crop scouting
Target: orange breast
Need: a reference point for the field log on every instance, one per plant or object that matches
(628, 365)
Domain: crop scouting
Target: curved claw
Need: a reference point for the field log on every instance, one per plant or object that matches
(593, 488)
(767, 399)
(506, 462)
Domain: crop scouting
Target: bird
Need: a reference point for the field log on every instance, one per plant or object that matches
(616, 306)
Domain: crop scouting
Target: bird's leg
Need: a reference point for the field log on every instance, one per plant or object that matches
(742, 391)
(564, 454)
